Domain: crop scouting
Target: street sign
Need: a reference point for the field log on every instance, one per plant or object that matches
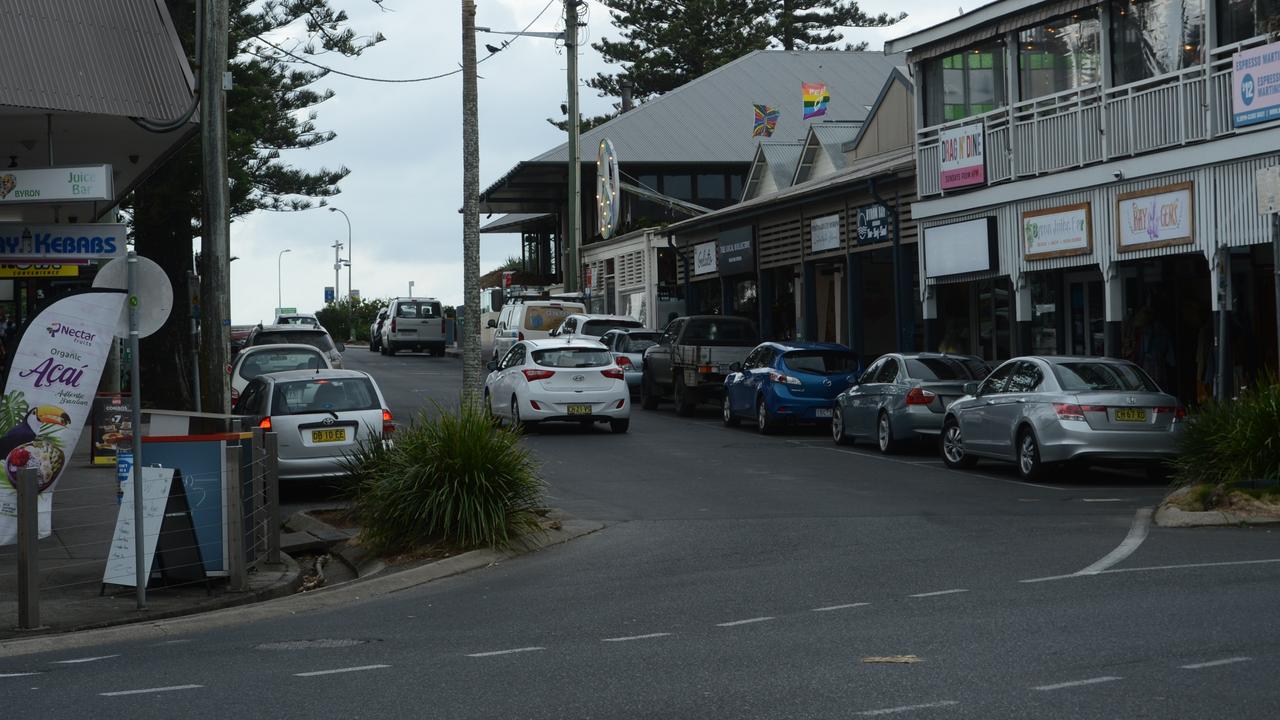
(355, 294)
(328, 294)
(286, 311)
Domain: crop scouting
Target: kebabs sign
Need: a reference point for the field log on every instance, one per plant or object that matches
(24, 244)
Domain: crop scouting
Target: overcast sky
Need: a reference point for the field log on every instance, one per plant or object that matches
(403, 144)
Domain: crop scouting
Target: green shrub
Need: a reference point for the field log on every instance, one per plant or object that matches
(1233, 442)
(455, 478)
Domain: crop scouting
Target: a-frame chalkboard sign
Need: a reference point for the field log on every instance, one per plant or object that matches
(172, 550)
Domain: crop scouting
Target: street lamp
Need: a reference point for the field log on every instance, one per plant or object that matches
(410, 288)
(279, 286)
(350, 255)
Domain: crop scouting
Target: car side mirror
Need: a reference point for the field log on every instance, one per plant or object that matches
(735, 367)
(492, 365)
(341, 347)
(492, 323)
(971, 388)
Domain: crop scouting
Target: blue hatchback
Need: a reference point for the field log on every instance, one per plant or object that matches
(782, 382)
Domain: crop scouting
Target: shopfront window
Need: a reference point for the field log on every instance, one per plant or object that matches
(1045, 315)
(1155, 37)
(746, 299)
(965, 84)
(1061, 54)
(1243, 19)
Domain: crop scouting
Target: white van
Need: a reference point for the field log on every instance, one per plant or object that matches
(415, 324)
(529, 320)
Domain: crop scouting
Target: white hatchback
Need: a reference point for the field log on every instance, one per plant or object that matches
(262, 359)
(559, 380)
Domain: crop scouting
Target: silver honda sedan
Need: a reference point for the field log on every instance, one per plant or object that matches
(1041, 412)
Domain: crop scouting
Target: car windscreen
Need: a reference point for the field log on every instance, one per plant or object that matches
(720, 331)
(317, 340)
(638, 342)
(821, 362)
(545, 318)
(418, 310)
(1082, 376)
(596, 328)
(296, 320)
(937, 368)
(321, 395)
(573, 357)
(271, 361)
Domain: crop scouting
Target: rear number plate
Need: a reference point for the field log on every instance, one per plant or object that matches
(1131, 415)
(579, 409)
(328, 436)
(822, 412)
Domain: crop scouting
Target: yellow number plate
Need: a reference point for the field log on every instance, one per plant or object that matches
(1131, 415)
(579, 409)
(327, 436)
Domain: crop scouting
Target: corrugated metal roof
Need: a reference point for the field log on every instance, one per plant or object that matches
(512, 222)
(832, 136)
(781, 159)
(709, 119)
(120, 57)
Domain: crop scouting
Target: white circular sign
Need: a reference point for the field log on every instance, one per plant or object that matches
(608, 185)
(154, 291)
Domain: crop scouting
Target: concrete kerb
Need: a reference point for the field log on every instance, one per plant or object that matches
(1169, 515)
(336, 595)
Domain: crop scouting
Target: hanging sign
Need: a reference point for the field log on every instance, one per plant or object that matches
(1155, 218)
(59, 184)
(1057, 232)
(48, 395)
(39, 271)
(1255, 85)
(961, 161)
(873, 224)
(26, 244)
(608, 182)
(824, 233)
(704, 258)
(735, 253)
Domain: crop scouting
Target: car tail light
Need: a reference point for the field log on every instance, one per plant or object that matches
(624, 361)
(265, 424)
(784, 379)
(1179, 412)
(228, 368)
(520, 335)
(532, 375)
(1069, 411)
(393, 324)
(621, 403)
(615, 373)
(387, 426)
(920, 396)
(235, 395)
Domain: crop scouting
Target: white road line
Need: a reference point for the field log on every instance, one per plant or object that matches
(1077, 683)
(907, 708)
(939, 592)
(25, 674)
(1186, 566)
(634, 637)
(1137, 533)
(77, 661)
(506, 652)
(146, 691)
(829, 608)
(358, 668)
(745, 622)
(1216, 663)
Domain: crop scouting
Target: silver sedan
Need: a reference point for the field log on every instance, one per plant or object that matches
(1039, 412)
(627, 346)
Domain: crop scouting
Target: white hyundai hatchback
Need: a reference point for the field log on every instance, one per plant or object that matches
(559, 380)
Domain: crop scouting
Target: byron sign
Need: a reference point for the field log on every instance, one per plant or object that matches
(873, 224)
(961, 159)
(59, 184)
(1056, 232)
(1255, 85)
(1155, 218)
(23, 244)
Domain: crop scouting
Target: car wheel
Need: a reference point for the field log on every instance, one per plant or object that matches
(764, 423)
(391, 349)
(884, 435)
(953, 454)
(684, 404)
(373, 346)
(730, 420)
(516, 421)
(648, 393)
(382, 349)
(839, 433)
(1029, 465)
(620, 426)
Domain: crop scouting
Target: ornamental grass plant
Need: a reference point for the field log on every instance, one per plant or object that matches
(1233, 443)
(456, 478)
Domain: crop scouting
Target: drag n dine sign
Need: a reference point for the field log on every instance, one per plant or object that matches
(961, 160)
(48, 396)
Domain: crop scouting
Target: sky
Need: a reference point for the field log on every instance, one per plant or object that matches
(403, 145)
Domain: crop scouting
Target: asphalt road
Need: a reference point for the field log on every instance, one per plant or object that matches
(742, 576)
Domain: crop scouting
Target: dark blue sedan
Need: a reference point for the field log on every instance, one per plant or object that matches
(788, 382)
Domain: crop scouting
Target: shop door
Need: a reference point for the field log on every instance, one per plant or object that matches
(1086, 326)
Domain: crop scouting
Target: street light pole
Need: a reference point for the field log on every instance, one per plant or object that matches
(337, 268)
(410, 288)
(350, 251)
(279, 282)
(572, 268)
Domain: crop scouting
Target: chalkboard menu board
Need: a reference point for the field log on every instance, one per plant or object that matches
(112, 423)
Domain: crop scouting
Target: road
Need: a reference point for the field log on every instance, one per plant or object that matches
(742, 576)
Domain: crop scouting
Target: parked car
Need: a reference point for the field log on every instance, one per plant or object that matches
(691, 359)
(628, 346)
(264, 359)
(304, 319)
(529, 320)
(593, 326)
(1039, 412)
(375, 331)
(787, 382)
(903, 396)
(415, 324)
(317, 416)
(558, 380)
(297, 334)
(239, 336)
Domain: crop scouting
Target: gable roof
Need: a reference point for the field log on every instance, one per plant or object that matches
(899, 74)
(773, 159)
(827, 139)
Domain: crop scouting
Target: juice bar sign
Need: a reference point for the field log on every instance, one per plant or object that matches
(59, 184)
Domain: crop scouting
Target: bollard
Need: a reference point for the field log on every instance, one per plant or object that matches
(272, 477)
(237, 572)
(28, 487)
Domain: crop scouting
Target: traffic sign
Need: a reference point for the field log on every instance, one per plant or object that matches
(328, 294)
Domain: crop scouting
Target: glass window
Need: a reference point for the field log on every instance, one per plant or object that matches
(600, 327)
(573, 357)
(1025, 378)
(250, 402)
(515, 356)
(318, 339)
(711, 187)
(323, 395)
(1061, 54)
(270, 361)
(545, 317)
(735, 184)
(870, 375)
(928, 369)
(821, 362)
(422, 310)
(1243, 19)
(965, 84)
(1155, 37)
(752, 360)
(678, 186)
(1085, 375)
(725, 330)
(888, 372)
(637, 342)
(995, 381)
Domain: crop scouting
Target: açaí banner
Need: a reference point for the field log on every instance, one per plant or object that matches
(48, 395)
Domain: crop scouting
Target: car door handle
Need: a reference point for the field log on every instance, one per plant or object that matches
(991, 402)
(1022, 400)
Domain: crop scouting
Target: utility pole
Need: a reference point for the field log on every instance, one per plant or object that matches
(471, 376)
(215, 235)
(337, 270)
(572, 265)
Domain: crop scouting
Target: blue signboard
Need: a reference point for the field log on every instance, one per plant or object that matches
(201, 463)
(328, 293)
(1255, 85)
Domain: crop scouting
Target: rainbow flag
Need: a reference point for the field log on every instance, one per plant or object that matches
(816, 99)
(766, 121)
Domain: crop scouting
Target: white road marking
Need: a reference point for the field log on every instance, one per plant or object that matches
(5, 675)
(829, 608)
(939, 592)
(506, 652)
(1078, 683)
(745, 622)
(1137, 533)
(1186, 566)
(634, 637)
(77, 661)
(358, 668)
(907, 708)
(1216, 663)
(146, 691)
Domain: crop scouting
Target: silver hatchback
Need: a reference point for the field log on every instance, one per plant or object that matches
(1038, 412)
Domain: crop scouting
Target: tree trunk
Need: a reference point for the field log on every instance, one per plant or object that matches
(472, 381)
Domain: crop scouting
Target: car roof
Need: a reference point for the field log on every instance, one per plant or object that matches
(297, 315)
(953, 356)
(415, 298)
(290, 328)
(597, 316)
(629, 330)
(253, 349)
(714, 317)
(788, 345)
(323, 373)
(1059, 359)
(559, 343)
